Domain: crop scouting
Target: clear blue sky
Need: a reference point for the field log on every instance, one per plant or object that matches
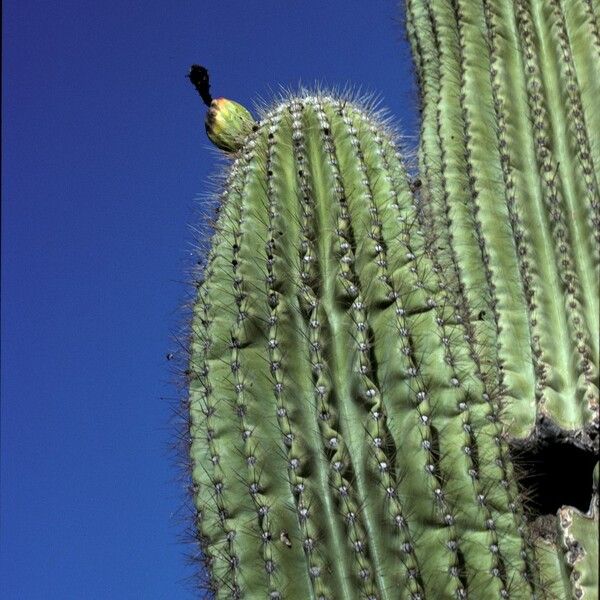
(105, 164)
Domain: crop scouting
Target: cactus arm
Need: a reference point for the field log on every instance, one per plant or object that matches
(335, 382)
(445, 170)
(574, 388)
(455, 122)
(498, 113)
(574, 166)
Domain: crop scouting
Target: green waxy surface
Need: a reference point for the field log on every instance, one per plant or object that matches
(509, 157)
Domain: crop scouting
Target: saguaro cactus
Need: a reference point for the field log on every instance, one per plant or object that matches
(346, 442)
(363, 349)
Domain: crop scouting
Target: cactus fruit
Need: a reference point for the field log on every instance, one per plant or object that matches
(363, 349)
(227, 122)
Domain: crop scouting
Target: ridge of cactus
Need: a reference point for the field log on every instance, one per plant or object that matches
(506, 87)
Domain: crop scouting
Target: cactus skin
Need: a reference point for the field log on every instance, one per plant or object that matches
(345, 442)
(510, 156)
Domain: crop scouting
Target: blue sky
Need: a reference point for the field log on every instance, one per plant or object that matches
(105, 167)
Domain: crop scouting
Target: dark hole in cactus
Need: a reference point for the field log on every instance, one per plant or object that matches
(554, 473)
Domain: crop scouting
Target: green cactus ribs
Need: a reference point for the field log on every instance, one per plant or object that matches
(345, 443)
(509, 157)
(510, 161)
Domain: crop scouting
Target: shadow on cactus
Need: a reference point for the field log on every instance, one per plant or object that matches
(393, 387)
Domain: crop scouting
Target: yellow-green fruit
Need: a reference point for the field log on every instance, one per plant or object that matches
(227, 123)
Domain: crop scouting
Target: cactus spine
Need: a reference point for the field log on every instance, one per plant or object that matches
(361, 351)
